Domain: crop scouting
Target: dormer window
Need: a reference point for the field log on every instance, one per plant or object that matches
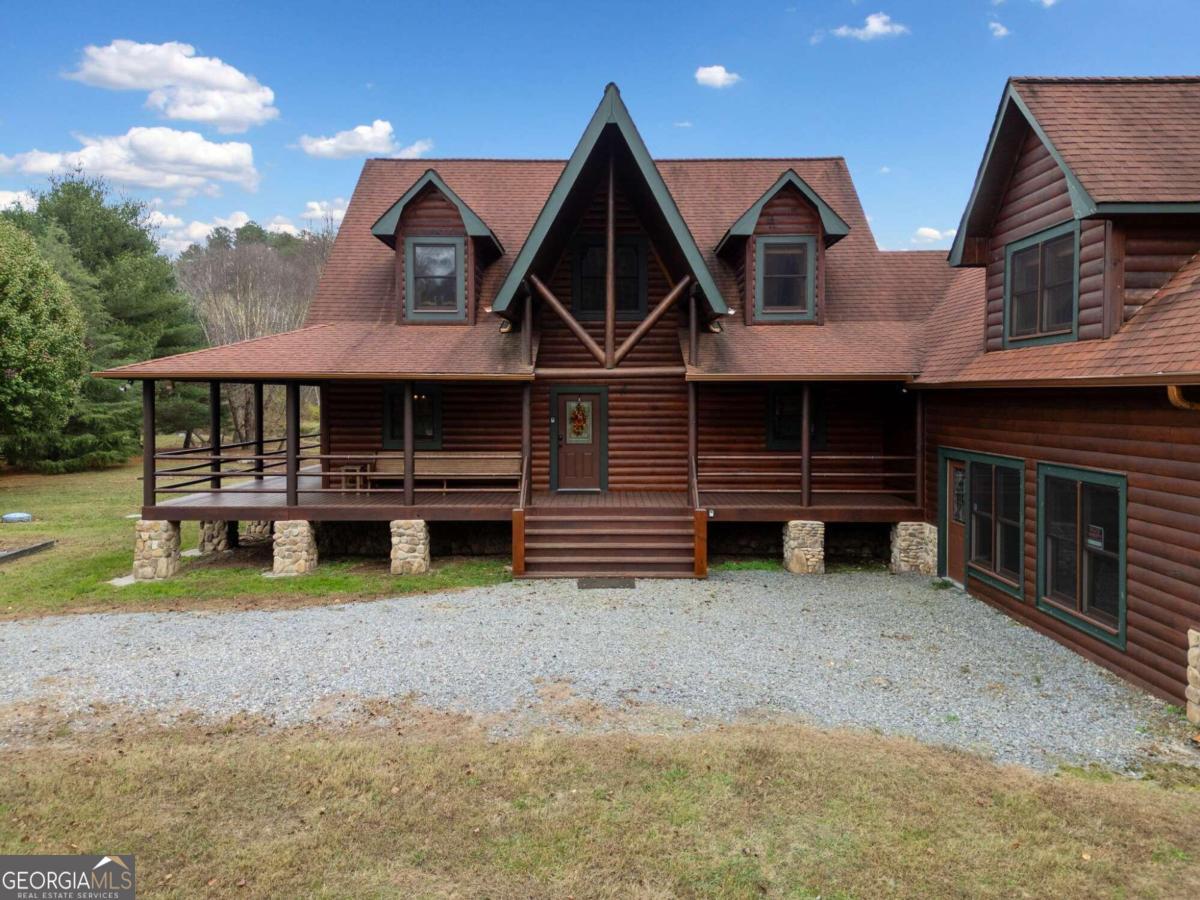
(434, 284)
(1041, 286)
(785, 278)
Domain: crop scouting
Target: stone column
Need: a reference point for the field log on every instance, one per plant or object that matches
(156, 550)
(804, 547)
(256, 532)
(1193, 677)
(914, 548)
(410, 547)
(295, 547)
(217, 537)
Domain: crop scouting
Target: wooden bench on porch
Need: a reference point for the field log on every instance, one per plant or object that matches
(449, 466)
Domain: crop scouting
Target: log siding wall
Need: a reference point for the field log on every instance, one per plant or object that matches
(1134, 432)
(1036, 199)
(647, 417)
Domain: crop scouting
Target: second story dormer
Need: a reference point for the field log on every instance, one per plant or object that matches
(1082, 208)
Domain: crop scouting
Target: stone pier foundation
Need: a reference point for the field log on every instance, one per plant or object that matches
(410, 547)
(156, 550)
(255, 532)
(295, 547)
(914, 548)
(218, 537)
(804, 547)
(1193, 677)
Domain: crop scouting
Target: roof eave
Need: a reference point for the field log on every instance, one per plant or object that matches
(1082, 203)
(833, 226)
(385, 226)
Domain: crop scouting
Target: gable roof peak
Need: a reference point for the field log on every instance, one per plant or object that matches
(611, 113)
(834, 226)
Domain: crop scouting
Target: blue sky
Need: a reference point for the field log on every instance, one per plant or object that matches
(219, 111)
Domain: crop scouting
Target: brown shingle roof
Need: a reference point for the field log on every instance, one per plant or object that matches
(348, 350)
(1126, 139)
(1163, 339)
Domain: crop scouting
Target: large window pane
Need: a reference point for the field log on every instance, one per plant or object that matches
(1008, 538)
(785, 277)
(1041, 288)
(1008, 493)
(1102, 541)
(982, 508)
(1101, 517)
(591, 279)
(1060, 535)
(435, 277)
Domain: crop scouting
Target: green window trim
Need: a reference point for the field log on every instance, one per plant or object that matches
(817, 429)
(974, 571)
(1113, 636)
(393, 401)
(459, 313)
(760, 244)
(582, 242)
(1011, 341)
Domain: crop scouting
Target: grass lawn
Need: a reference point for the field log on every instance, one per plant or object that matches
(439, 810)
(86, 515)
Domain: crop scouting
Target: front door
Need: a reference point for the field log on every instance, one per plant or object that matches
(579, 429)
(956, 520)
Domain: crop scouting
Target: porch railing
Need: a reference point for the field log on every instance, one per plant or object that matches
(189, 467)
(829, 473)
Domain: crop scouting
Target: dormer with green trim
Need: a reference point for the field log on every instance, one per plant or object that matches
(777, 249)
(441, 246)
(1054, 267)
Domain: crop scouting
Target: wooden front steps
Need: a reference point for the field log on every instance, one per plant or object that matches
(578, 542)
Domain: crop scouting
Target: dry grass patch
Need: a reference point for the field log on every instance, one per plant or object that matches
(439, 809)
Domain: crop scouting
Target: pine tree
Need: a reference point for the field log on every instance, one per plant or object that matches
(133, 311)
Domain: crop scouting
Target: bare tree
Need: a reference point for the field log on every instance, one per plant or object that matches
(249, 283)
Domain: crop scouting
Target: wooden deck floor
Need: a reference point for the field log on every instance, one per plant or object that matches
(266, 500)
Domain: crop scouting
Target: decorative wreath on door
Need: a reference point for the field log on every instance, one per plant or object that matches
(578, 419)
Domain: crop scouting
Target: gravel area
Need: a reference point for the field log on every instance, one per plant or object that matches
(860, 649)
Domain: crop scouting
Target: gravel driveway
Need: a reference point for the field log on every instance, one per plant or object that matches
(862, 649)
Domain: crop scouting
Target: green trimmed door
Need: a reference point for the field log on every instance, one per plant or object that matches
(579, 430)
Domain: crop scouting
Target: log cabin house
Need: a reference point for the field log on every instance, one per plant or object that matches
(615, 355)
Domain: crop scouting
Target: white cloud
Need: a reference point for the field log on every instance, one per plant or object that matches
(376, 139)
(415, 150)
(716, 77)
(885, 170)
(877, 25)
(10, 199)
(1047, 3)
(927, 235)
(181, 85)
(684, 124)
(282, 225)
(317, 211)
(159, 158)
(998, 30)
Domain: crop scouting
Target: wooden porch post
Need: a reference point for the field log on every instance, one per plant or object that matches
(258, 430)
(610, 272)
(692, 430)
(693, 330)
(214, 431)
(806, 447)
(149, 447)
(409, 453)
(920, 441)
(527, 328)
(526, 421)
(293, 443)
